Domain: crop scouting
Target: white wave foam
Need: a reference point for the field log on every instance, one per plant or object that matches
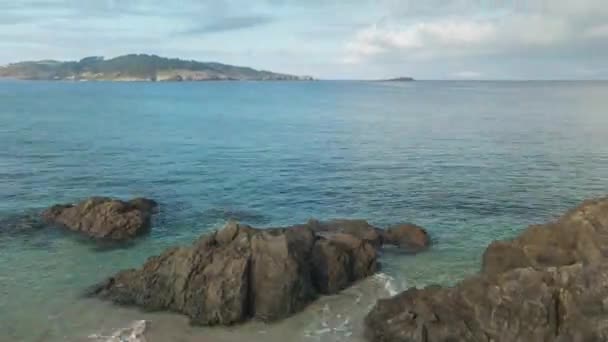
(338, 326)
(133, 333)
(389, 283)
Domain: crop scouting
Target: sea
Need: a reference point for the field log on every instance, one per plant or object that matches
(472, 162)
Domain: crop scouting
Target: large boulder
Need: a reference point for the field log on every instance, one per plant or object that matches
(563, 304)
(240, 272)
(548, 284)
(340, 260)
(581, 235)
(281, 281)
(103, 217)
(408, 237)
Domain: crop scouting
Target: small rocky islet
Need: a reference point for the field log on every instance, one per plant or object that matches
(550, 283)
(104, 217)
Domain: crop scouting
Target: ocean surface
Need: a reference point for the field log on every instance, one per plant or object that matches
(470, 161)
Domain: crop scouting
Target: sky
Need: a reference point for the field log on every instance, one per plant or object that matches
(328, 39)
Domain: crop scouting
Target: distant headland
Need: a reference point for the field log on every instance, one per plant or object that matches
(398, 79)
(138, 67)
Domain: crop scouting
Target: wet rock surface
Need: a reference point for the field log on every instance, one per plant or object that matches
(548, 284)
(103, 217)
(408, 237)
(240, 273)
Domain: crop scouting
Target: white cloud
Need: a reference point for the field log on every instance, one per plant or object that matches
(600, 31)
(456, 36)
(467, 74)
(448, 33)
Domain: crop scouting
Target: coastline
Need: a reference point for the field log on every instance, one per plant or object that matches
(274, 156)
(66, 80)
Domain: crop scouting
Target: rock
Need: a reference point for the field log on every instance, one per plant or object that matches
(340, 260)
(332, 267)
(240, 273)
(581, 235)
(409, 237)
(359, 228)
(281, 272)
(548, 284)
(523, 304)
(102, 217)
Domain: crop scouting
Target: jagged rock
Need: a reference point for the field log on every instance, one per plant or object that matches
(102, 217)
(241, 272)
(548, 284)
(556, 304)
(409, 237)
(281, 281)
(581, 235)
(340, 260)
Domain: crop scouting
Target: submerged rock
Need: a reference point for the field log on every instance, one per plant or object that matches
(103, 217)
(548, 284)
(240, 215)
(23, 223)
(240, 273)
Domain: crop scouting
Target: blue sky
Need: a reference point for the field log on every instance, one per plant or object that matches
(362, 39)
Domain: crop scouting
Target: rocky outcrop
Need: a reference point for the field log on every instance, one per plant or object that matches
(581, 235)
(565, 303)
(548, 284)
(341, 260)
(104, 218)
(358, 228)
(240, 272)
(408, 237)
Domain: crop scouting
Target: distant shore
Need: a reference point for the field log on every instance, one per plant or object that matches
(138, 68)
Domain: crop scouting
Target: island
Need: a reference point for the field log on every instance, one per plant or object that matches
(399, 79)
(138, 67)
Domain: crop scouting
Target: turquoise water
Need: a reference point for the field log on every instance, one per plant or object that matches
(470, 161)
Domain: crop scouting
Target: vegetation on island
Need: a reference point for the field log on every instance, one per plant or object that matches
(136, 67)
(399, 79)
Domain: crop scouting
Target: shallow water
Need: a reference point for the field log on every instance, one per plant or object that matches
(470, 161)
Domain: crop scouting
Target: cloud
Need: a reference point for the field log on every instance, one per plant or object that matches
(458, 36)
(467, 74)
(331, 39)
(600, 31)
(231, 24)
